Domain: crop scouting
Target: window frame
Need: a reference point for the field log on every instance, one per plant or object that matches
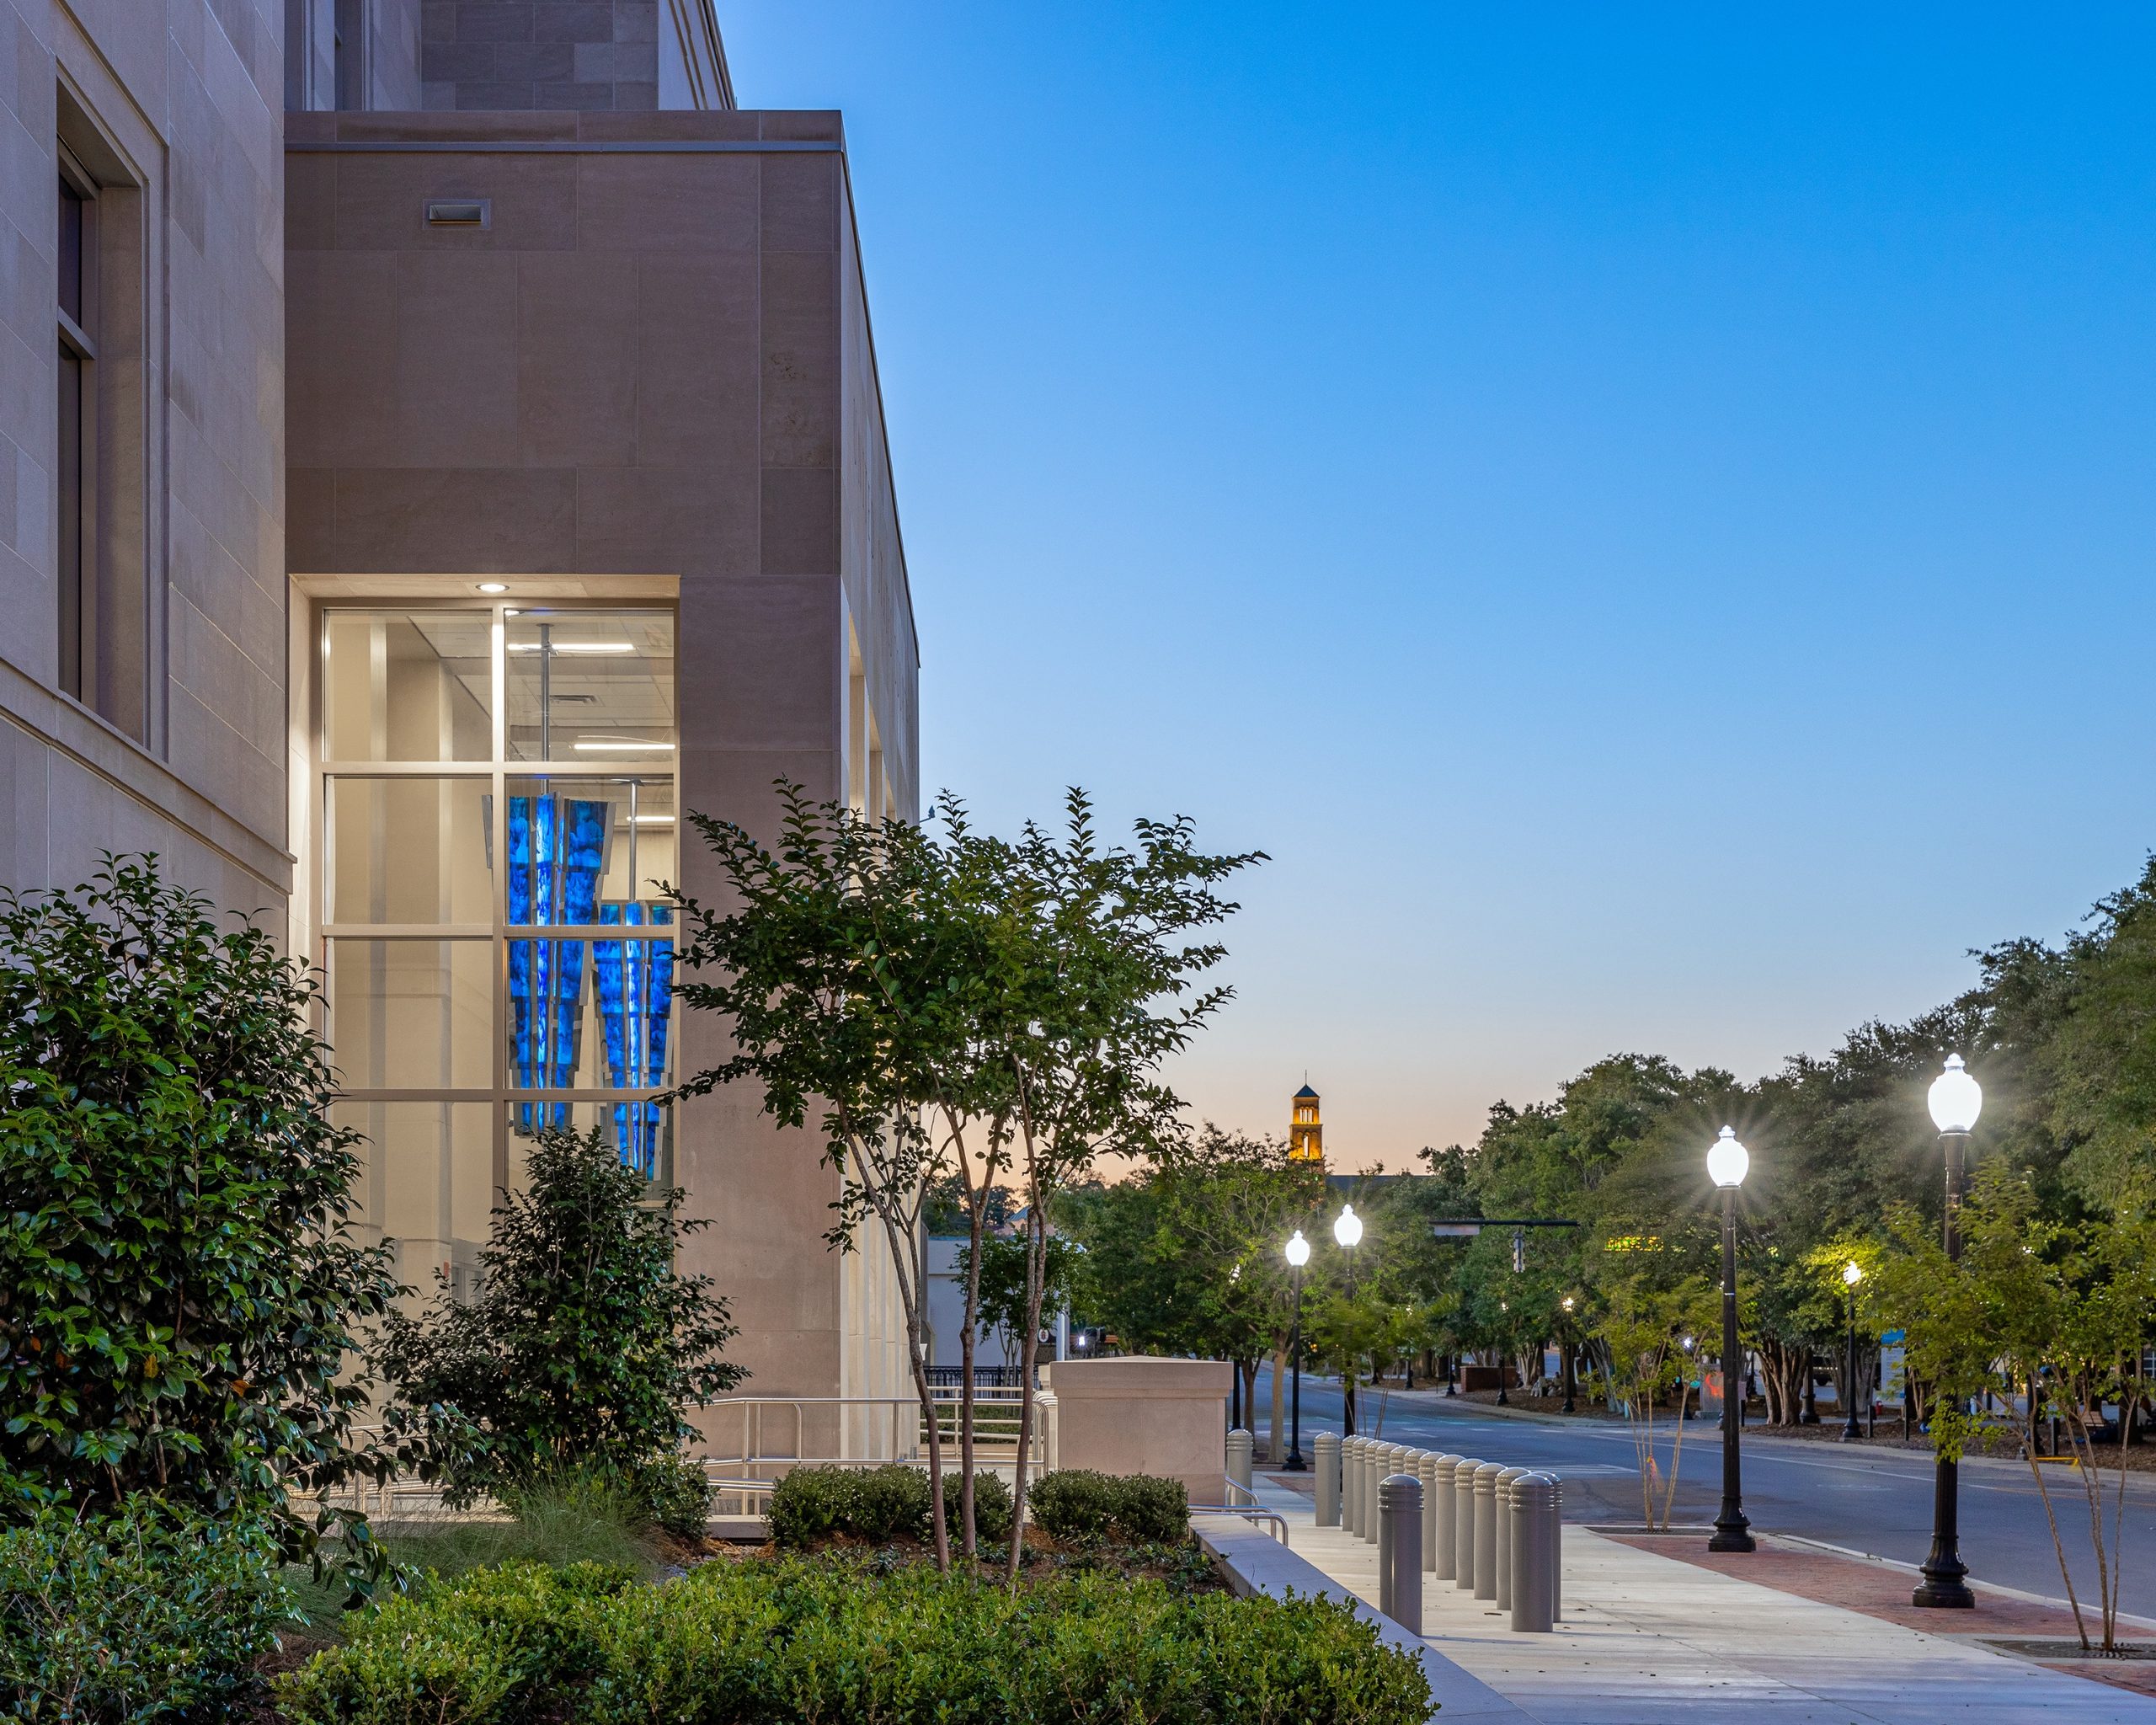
(496, 772)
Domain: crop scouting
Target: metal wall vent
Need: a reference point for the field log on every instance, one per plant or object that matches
(460, 212)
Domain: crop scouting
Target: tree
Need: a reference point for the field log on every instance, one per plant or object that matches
(1002, 1282)
(2049, 1318)
(180, 1297)
(1641, 1330)
(849, 972)
(1089, 992)
(585, 1347)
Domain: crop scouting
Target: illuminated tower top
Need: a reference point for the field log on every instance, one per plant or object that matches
(1305, 1136)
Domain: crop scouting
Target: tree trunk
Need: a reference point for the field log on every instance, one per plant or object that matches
(1036, 1276)
(1274, 1454)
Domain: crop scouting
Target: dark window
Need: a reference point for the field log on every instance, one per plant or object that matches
(76, 353)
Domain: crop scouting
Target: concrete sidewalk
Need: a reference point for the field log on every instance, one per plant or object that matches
(1648, 1639)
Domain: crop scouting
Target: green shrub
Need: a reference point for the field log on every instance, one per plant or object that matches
(789, 1640)
(150, 1613)
(586, 1345)
(674, 1494)
(991, 1507)
(880, 1504)
(181, 1289)
(573, 1521)
(1079, 1505)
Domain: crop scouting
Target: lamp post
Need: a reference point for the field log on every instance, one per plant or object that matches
(1852, 1273)
(1299, 1254)
(1726, 1162)
(1568, 1356)
(1347, 1230)
(1955, 1100)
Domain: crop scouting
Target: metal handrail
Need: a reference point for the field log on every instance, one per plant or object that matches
(896, 1434)
(1279, 1522)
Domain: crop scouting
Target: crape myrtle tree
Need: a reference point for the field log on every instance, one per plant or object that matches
(849, 967)
(181, 1297)
(1092, 985)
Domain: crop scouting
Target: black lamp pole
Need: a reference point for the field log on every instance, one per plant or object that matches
(1945, 1576)
(1851, 1431)
(1294, 1463)
(1732, 1531)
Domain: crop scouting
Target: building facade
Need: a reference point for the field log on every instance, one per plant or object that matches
(509, 480)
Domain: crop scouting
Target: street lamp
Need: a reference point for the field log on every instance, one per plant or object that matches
(1567, 1359)
(1852, 1273)
(1347, 1230)
(1956, 1099)
(1727, 1161)
(1299, 1254)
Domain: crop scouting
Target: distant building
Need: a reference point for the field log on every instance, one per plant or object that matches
(1306, 1133)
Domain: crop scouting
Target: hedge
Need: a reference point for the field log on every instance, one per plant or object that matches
(1079, 1505)
(880, 1505)
(788, 1641)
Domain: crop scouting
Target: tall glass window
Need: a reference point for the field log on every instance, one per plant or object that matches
(497, 805)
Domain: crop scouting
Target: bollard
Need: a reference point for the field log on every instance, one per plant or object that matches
(1505, 1535)
(1462, 1533)
(1359, 1476)
(1240, 1445)
(1400, 1549)
(1447, 1565)
(1533, 1502)
(1556, 1548)
(1347, 1483)
(1375, 1457)
(1485, 1530)
(1426, 1470)
(1325, 1453)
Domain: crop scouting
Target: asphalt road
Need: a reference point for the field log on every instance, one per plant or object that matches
(1877, 1502)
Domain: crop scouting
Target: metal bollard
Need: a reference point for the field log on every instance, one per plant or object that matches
(1241, 1445)
(1505, 1535)
(1446, 1564)
(1534, 1506)
(1426, 1470)
(1325, 1452)
(1400, 1549)
(1463, 1534)
(1557, 1545)
(1351, 1491)
(1485, 1530)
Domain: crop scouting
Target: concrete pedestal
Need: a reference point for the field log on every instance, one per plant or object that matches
(1167, 1417)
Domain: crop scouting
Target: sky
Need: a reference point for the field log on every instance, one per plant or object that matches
(1643, 513)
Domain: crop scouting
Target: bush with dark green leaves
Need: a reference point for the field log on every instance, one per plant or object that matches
(179, 1293)
(880, 1504)
(147, 1612)
(1083, 1507)
(586, 1347)
(799, 1640)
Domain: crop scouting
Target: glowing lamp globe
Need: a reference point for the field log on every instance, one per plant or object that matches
(1727, 1160)
(1955, 1098)
(1852, 1273)
(1347, 1227)
(1299, 1251)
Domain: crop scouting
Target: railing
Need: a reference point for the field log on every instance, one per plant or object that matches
(1237, 1499)
(996, 1377)
(752, 1435)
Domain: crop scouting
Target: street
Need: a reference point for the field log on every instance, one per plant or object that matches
(1875, 1501)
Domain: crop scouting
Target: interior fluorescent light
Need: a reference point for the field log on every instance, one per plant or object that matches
(573, 646)
(631, 747)
(651, 821)
(494, 586)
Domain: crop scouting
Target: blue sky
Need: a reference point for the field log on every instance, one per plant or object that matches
(1644, 513)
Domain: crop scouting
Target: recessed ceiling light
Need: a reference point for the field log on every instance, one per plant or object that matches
(573, 646)
(494, 586)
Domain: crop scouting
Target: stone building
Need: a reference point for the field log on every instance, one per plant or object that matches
(458, 454)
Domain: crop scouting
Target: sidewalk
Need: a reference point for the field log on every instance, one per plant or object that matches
(1648, 1639)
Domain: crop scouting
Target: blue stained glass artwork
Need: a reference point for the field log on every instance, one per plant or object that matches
(635, 981)
(557, 853)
